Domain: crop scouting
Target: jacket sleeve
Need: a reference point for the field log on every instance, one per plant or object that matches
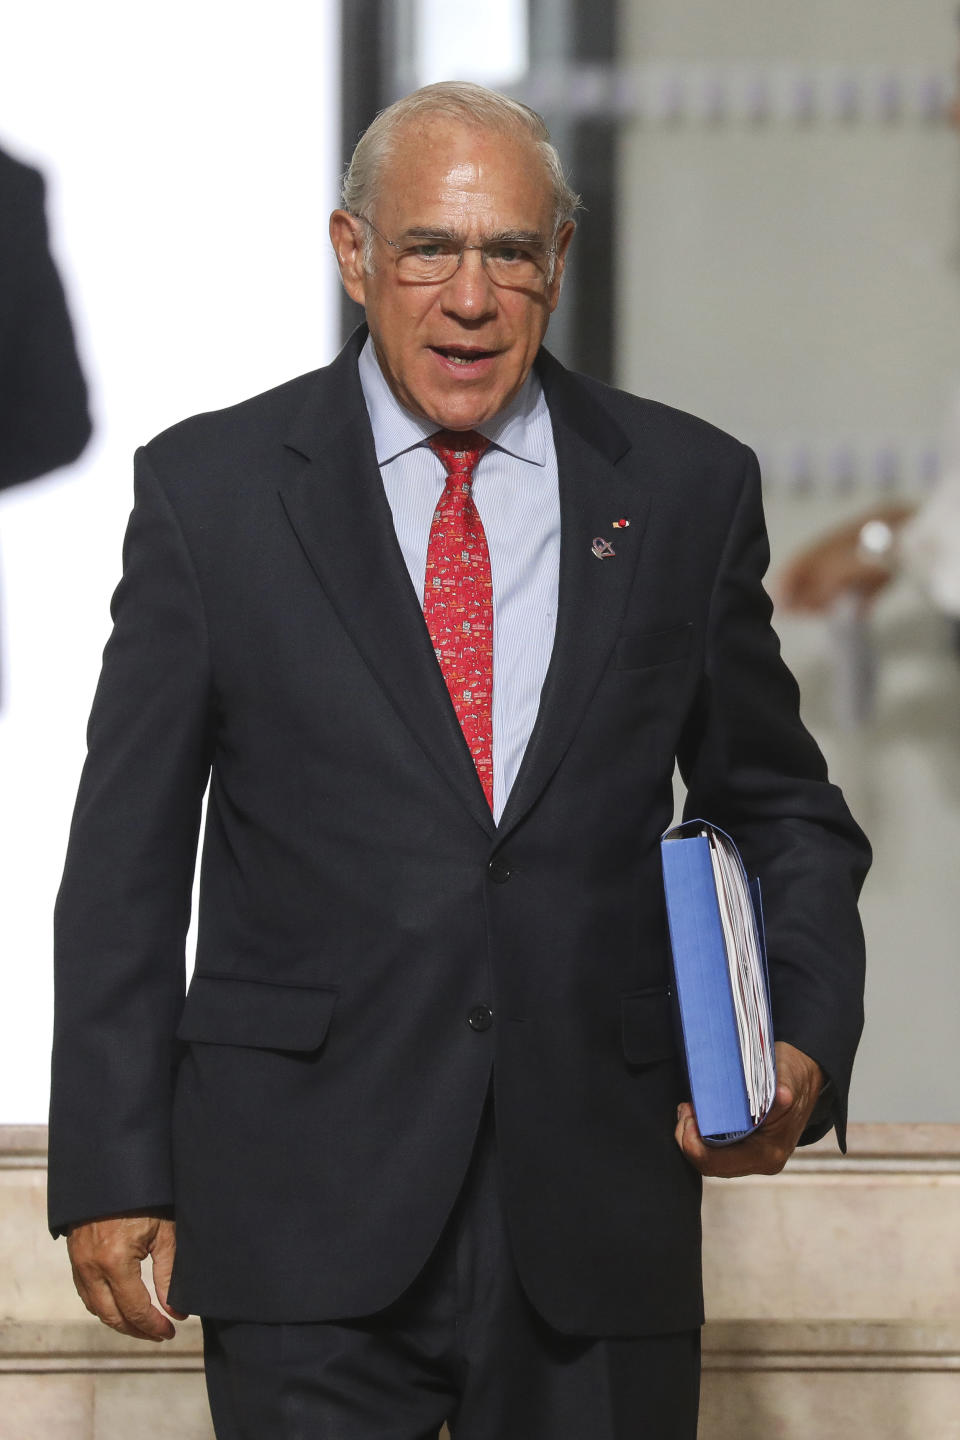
(751, 767)
(43, 395)
(124, 903)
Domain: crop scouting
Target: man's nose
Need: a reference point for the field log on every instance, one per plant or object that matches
(470, 293)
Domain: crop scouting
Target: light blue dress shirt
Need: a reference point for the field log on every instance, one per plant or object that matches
(516, 491)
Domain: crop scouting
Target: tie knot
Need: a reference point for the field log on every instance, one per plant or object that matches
(459, 450)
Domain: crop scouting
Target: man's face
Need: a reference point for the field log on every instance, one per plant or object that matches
(455, 352)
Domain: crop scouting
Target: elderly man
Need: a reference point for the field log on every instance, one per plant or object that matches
(435, 622)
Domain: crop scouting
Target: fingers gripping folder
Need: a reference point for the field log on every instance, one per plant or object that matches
(721, 986)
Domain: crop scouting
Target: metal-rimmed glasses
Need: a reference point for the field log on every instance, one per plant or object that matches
(516, 260)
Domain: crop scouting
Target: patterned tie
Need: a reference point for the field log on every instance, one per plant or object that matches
(458, 597)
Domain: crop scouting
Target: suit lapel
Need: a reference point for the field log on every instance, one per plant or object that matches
(337, 506)
(592, 592)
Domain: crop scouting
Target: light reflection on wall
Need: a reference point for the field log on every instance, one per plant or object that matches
(466, 40)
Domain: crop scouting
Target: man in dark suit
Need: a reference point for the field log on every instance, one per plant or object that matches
(435, 622)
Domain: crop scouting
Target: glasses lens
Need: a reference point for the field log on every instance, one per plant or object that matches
(511, 266)
(514, 267)
(427, 264)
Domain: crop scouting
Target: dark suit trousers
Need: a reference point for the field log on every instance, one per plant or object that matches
(462, 1345)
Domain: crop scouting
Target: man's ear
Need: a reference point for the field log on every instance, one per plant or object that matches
(564, 236)
(347, 239)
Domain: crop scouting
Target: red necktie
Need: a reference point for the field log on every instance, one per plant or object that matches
(458, 597)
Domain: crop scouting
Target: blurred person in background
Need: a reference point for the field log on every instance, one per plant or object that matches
(862, 556)
(44, 419)
(43, 397)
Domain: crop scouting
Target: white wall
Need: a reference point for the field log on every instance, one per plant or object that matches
(191, 151)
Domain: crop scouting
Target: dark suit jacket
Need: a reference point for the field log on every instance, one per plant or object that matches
(314, 1117)
(43, 399)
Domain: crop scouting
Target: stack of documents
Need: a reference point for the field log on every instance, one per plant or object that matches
(720, 980)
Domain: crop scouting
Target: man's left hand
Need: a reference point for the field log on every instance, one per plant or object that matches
(767, 1150)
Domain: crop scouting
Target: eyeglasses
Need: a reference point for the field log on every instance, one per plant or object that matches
(425, 259)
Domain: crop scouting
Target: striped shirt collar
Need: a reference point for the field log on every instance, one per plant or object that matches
(522, 428)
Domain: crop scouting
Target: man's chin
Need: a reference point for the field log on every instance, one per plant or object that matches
(465, 410)
(459, 420)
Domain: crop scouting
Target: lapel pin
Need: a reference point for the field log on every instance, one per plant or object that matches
(621, 524)
(602, 548)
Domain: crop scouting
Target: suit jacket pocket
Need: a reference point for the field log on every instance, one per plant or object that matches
(647, 1027)
(220, 1010)
(655, 647)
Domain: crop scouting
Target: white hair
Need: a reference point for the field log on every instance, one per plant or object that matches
(459, 100)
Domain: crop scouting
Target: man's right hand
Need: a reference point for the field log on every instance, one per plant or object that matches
(106, 1256)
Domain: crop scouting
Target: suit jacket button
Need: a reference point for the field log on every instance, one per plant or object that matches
(499, 871)
(480, 1017)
